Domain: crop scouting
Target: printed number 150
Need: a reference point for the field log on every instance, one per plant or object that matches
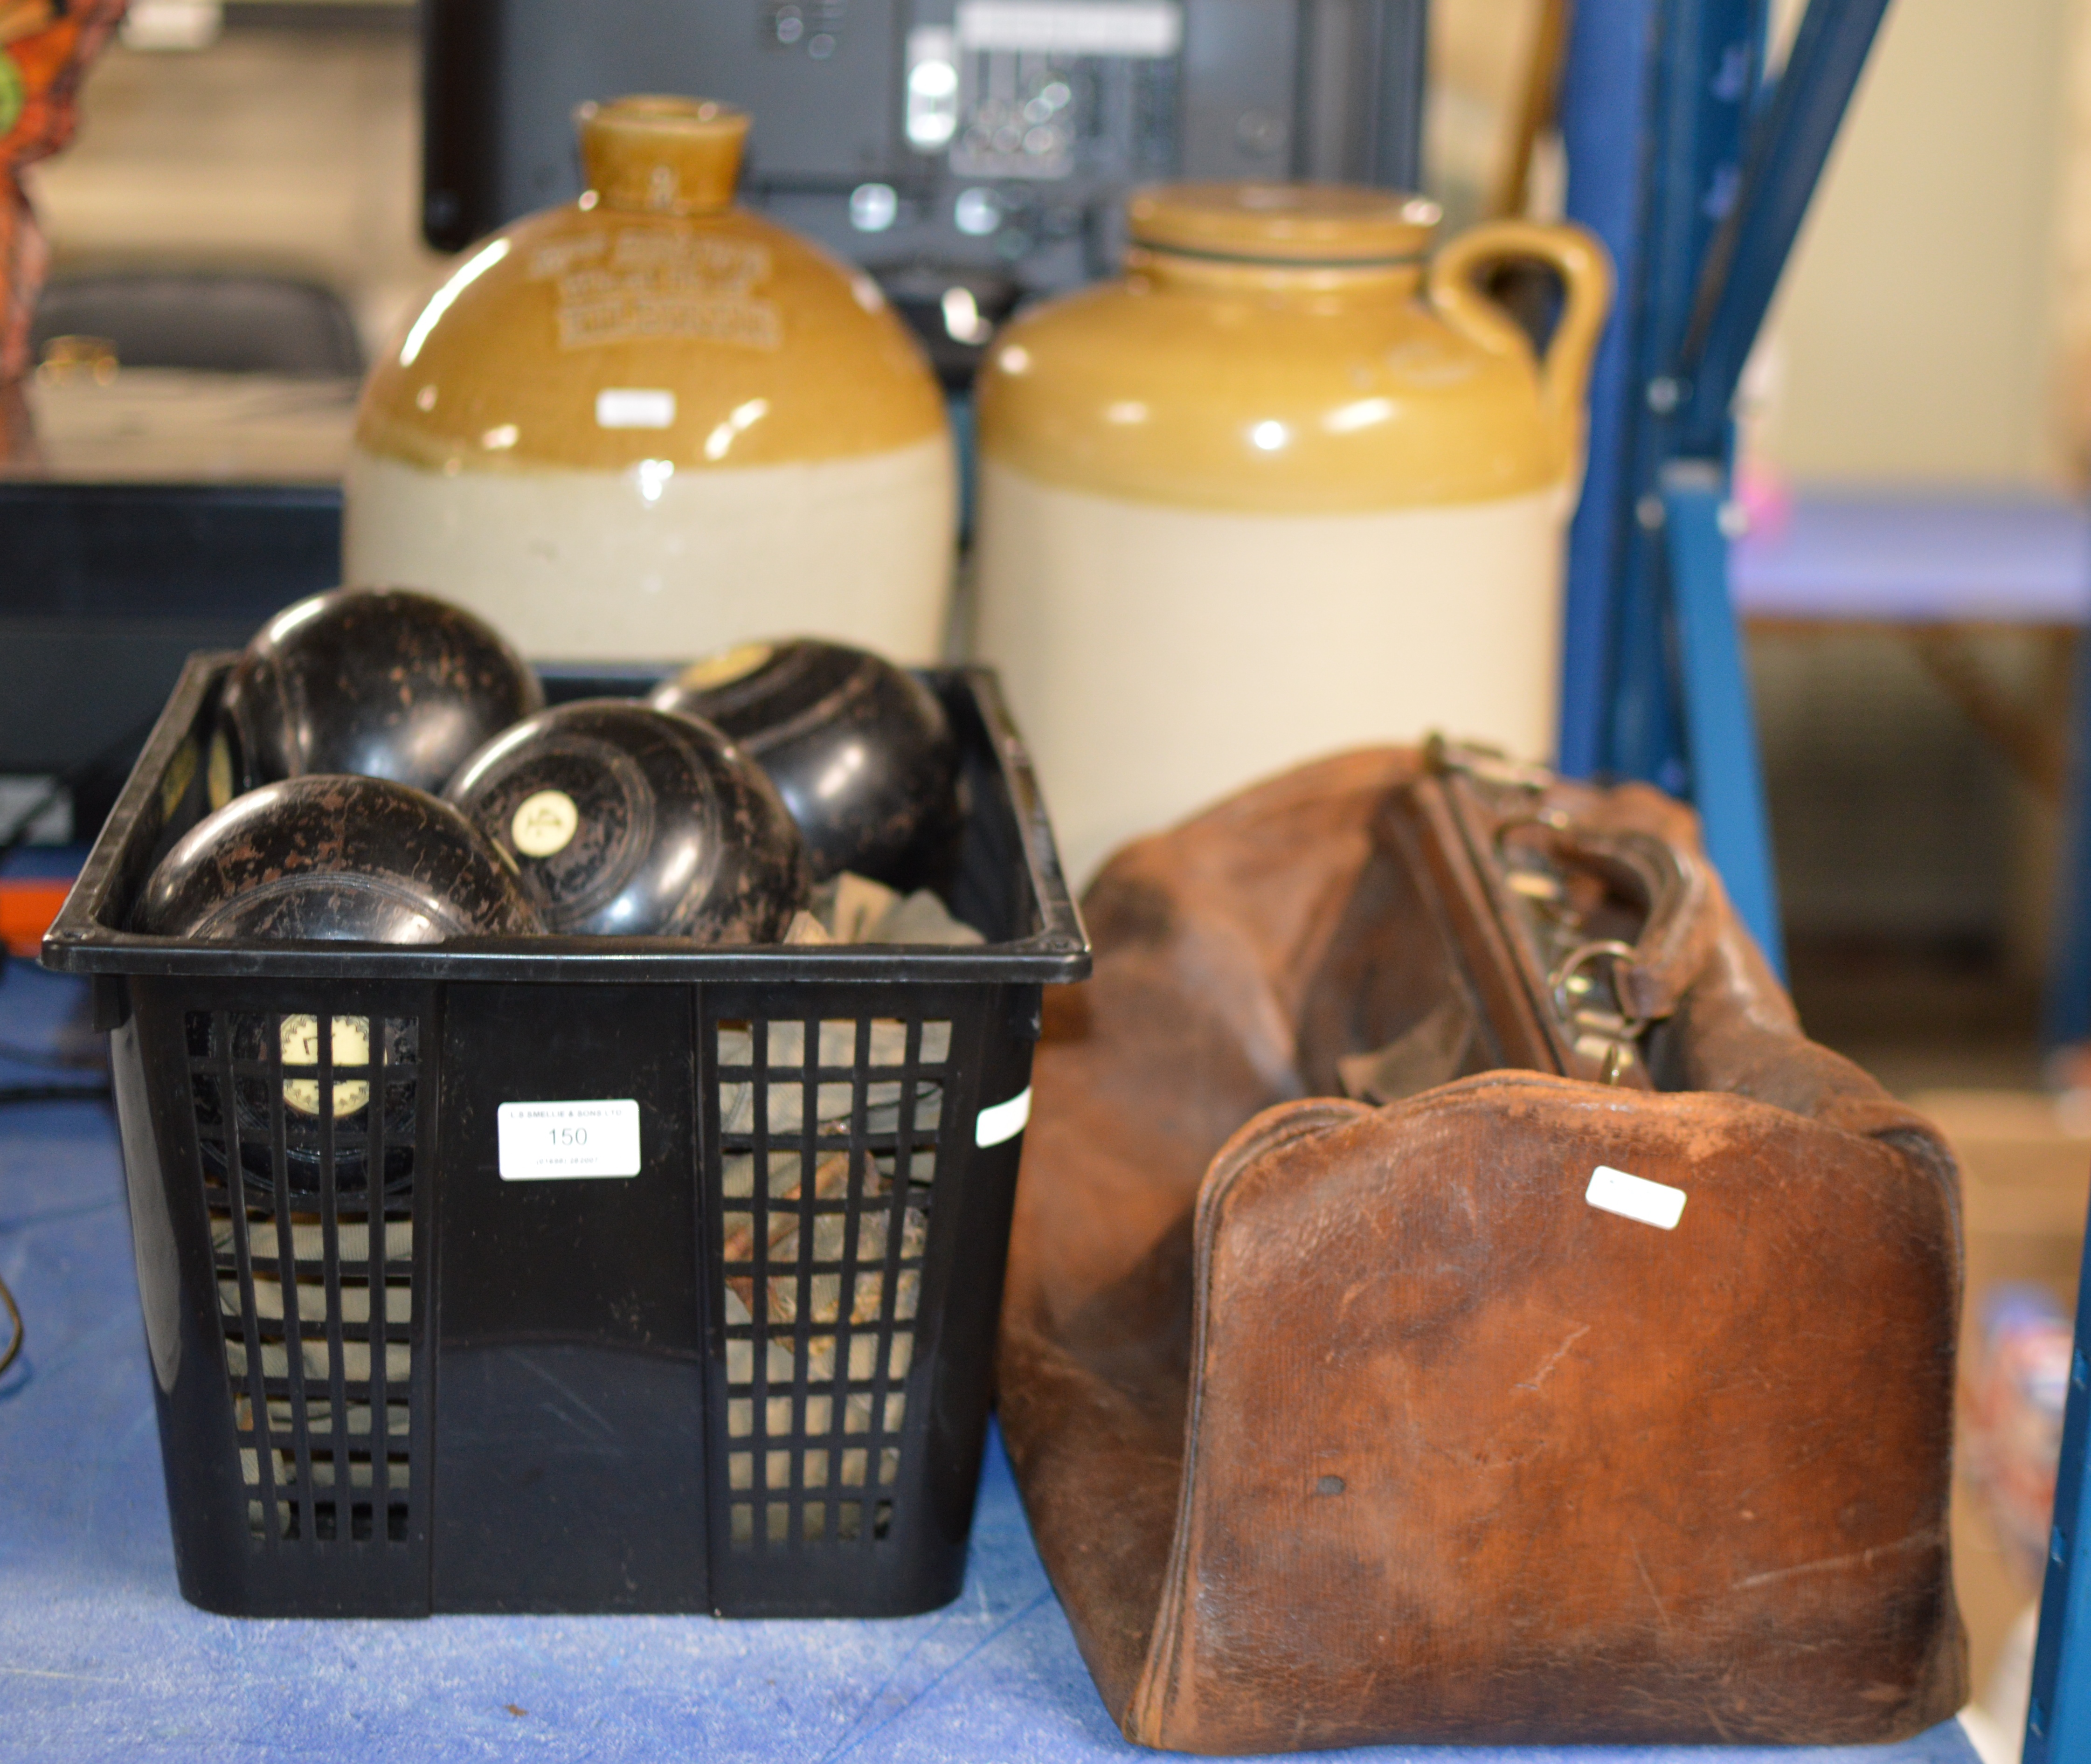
(568, 1138)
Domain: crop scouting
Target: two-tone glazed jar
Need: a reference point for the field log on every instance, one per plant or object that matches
(649, 423)
(1293, 483)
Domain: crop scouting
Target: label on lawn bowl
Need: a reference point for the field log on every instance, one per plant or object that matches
(560, 1142)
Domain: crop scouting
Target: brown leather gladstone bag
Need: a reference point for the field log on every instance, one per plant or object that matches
(1364, 1423)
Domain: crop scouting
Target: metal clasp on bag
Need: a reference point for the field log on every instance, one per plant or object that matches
(1484, 764)
(1540, 889)
(1610, 1037)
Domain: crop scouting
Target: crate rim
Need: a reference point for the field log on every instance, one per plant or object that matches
(80, 941)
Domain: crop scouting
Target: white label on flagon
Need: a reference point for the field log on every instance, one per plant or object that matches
(1131, 28)
(557, 1141)
(634, 407)
(1634, 1197)
(1003, 1120)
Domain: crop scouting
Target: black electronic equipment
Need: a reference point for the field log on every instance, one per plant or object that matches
(964, 136)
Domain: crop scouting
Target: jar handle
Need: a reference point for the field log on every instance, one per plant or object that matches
(1580, 259)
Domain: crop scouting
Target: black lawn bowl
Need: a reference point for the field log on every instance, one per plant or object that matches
(382, 682)
(328, 859)
(278, 1058)
(628, 822)
(860, 751)
(333, 858)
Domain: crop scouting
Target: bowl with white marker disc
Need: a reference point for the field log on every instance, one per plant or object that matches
(628, 822)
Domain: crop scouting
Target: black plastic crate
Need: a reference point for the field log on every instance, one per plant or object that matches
(752, 1378)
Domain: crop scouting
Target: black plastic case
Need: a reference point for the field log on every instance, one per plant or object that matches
(752, 1379)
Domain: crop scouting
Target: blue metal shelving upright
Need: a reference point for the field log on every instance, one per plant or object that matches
(1696, 170)
(2057, 1719)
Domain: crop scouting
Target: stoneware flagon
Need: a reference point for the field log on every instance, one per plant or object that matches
(1292, 483)
(647, 424)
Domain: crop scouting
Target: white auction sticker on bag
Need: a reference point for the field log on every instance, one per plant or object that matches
(1634, 1197)
(557, 1141)
(1002, 1121)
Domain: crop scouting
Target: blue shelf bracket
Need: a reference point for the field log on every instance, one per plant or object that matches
(1720, 722)
(1788, 146)
(1697, 175)
(2058, 1715)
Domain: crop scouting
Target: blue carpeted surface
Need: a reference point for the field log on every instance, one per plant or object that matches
(100, 1659)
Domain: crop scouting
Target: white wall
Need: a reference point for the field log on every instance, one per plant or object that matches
(1916, 335)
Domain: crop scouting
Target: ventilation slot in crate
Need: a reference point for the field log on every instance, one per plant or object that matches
(305, 1124)
(827, 1136)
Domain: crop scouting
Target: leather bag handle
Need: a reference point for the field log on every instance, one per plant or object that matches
(1676, 937)
(1523, 958)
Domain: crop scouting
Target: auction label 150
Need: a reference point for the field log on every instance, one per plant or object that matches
(558, 1141)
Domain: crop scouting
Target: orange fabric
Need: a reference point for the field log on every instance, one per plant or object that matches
(26, 907)
(46, 46)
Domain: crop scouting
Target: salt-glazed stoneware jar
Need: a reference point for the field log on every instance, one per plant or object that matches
(648, 423)
(1292, 484)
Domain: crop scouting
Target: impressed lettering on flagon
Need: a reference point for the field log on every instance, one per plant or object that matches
(659, 281)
